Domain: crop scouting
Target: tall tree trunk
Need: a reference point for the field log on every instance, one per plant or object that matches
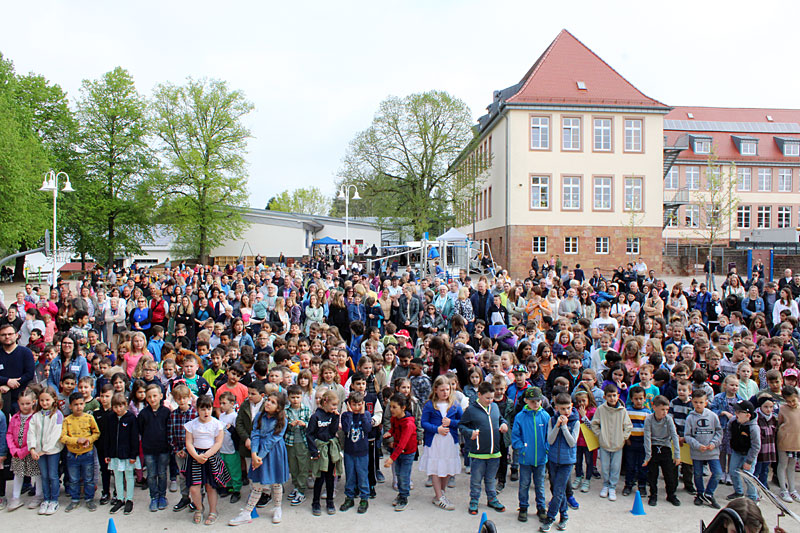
(19, 264)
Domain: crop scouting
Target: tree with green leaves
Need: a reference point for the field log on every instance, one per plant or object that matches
(113, 206)
(203, 144)
(401, 164)
(307, 201)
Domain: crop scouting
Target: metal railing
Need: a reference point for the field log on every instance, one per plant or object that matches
(680, 196)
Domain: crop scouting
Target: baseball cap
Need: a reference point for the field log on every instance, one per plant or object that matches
(520, 368)
(402, 333)
(791, 372)
(533, 393)
(746, 406)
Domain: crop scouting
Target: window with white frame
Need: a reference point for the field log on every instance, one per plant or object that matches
(540, 133)
(570, 245)
(692, 216)
(784, 216)
(785, 180)
(743, 217)
(693, 178)
(632, 246)
(633, 194)
(602, 194)
(540, 192)
(744, 179)
(702, 146)
(673, 178)
(791, 149)
(748, 148)
(633, 135)
(601, 245)
(764, 179)
(539, 245)
(571, 193)
(602, 134)
(764, 216)
(570, 133)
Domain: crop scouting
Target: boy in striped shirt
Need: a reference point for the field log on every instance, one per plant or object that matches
(635, 473)
(679, 408)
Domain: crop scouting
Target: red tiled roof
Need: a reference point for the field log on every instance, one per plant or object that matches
(734, 114)
(554, 76)
(76, 267)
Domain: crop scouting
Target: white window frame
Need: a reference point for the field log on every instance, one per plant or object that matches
(764, 217)
(743, 217)
(692, 217)
(634, 187)
(601, 134)
(539, 244)
(791, 149)
(633, 245)
(571, 134)
(540, 184)
(744, 179)
(702, 146)
(601, 245)
(748, 148)
(605, 186)
(571, 245)
(633, 134)
(784, 216)
(540, 125)
(673, 179)
(784, 180)
(764, 180)
(693, 174)
(570, 190)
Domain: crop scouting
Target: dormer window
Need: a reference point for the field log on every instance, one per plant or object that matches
(701, 144)
(746, 145)
(789, 146)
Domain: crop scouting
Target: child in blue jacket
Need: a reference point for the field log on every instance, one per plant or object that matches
(529, 440)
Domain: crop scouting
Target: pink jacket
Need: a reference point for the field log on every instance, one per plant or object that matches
(11, 437)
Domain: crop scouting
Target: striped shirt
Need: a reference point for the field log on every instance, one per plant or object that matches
(679, 411)
(637, 417)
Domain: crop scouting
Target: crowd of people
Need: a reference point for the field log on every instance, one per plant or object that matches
(203, 380)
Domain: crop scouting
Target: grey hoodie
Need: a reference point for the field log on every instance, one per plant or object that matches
(702, 430)
(660, 433)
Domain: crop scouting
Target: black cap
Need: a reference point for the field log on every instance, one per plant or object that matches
(746, 406)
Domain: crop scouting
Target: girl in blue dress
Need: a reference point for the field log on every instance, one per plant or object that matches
(270, 464)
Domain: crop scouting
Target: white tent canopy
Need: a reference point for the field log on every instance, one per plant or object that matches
(452, 235)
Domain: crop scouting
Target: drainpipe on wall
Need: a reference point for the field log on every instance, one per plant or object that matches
(507, 195)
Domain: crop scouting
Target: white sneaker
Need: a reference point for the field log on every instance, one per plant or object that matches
(785, 496)
(276, 515)
(242, 518)
(173, 486)
(451, 483)
(52, 507)
(612, 495)
(35, 502)
(795, 496)
(14, 504)
(43, 507)
(604, 492)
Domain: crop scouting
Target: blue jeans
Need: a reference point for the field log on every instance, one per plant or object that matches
(584, 456)
(611, 462)
(48, 465)
(356, 470)
(526, 472)
(404, 463)
(762, 472)
(736, 462)
(483, 470)
(559, 475)
(713, 481)
(157, 465)
(635, 473)
(81, 469)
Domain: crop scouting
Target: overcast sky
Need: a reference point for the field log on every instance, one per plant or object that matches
(316, 71)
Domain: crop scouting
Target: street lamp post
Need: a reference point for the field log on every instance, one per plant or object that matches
(49, 184)
(344, 194)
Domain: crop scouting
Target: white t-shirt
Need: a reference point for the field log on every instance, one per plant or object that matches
(227, 441)
(204, 435)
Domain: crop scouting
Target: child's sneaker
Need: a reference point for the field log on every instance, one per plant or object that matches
(3, 503)
(74, 504)
(573, 503)
(128, 507)
(522, 515)
(604, 492)
(242, 518)
(577, 482)
(499, 487)
(347, 505)
(612, 495)
(43, 507)
(91, 505)
(316, 510)
(14, 504)
(711, 502)
(626, 491)
(330, 507)
(277, 515)
(379, 477)
(542, 515)
(291, 495)
(52, 508)
(495, 504)
(300, 498)
(785, 496)
(795, 496)
(429, 482)
(402, 503)
(363, 505)
(546, 526)
(562, 524)
(515, 474)
(473, 507)
(444, 503)
(173, 485)
(154, 505)
(35, 502)
(451, 483)
(585, 485)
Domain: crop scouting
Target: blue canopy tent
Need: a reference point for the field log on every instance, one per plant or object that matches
(326, 241)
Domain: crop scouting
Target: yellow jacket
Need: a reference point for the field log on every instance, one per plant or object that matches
(79, 427)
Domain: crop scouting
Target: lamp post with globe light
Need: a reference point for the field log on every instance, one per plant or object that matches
(344, 194)
(50, 184)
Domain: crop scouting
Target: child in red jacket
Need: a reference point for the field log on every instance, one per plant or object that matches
(404, 435)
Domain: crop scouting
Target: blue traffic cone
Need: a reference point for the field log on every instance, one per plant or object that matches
(638, 508)
(254, 513)
(111, 527)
